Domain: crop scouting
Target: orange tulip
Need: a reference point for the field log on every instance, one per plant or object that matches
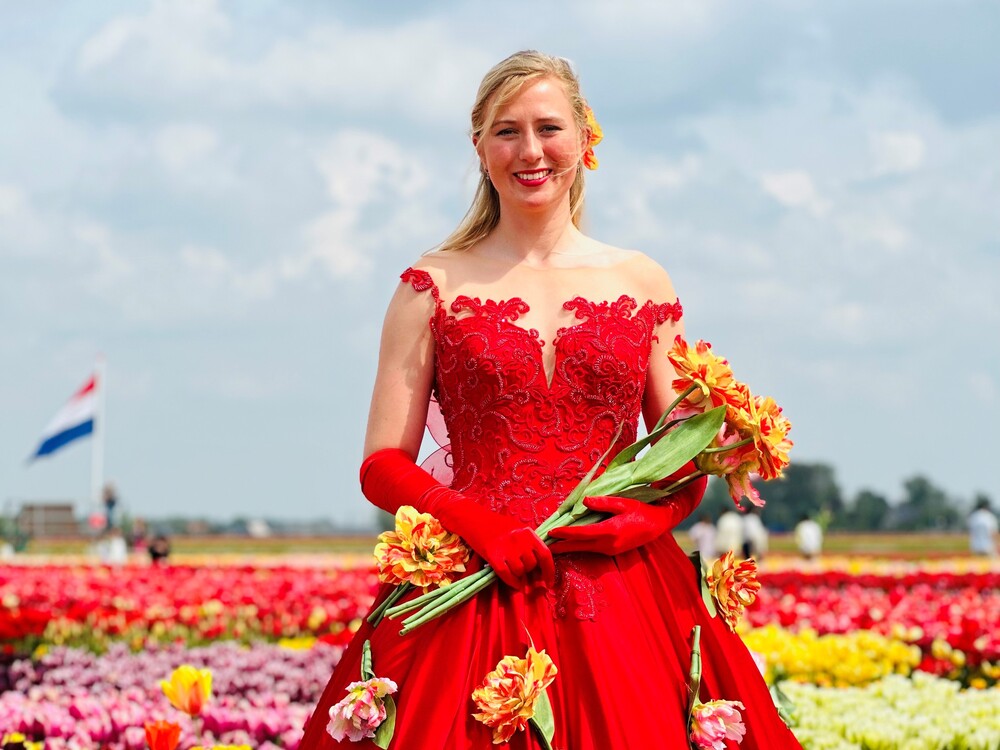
(188, 689)
(162, 735)
(507, 698)
(419, 551)
(734, 586)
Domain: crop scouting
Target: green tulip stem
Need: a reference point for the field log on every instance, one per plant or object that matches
(447, 603)
(724, 448)
(433, 596)
(694, 679)
(379, 612)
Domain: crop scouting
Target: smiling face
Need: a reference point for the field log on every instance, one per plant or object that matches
(533, 147)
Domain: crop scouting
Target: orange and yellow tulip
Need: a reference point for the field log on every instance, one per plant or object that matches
(188, 689)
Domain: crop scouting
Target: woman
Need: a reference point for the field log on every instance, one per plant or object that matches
(539, 343)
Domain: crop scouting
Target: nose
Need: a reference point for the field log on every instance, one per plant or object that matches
(531, 147)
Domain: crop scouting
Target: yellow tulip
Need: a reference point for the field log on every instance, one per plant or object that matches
(188, 689)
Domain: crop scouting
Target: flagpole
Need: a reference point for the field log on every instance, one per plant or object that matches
(97, 447)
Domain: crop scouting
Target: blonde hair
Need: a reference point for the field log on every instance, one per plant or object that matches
(499, 86)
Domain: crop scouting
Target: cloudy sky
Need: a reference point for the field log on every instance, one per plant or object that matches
(220, 195)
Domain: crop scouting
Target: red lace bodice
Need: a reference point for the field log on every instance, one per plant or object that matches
(519, 443)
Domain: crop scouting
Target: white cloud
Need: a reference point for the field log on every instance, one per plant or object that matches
(179, 53)
(896, 152)
(364, 173)
(20, 225)
(211, 269)
(983, 387)
(794, 189)
(182, 146)
(882, 230)
(658, 19)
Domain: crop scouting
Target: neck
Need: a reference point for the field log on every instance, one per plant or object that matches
(531, 237)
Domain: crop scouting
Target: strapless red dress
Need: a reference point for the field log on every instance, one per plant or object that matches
(618, 628)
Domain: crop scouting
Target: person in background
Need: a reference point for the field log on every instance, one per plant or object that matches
(702, 533)
(808, 537)
(729, 533)
(139, 535)
(755, 537)
(159, 549)
(110, 502)
(983, 529)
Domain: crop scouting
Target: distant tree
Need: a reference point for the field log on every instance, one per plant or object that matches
(924, 507)
(868, 512)
(804, 488)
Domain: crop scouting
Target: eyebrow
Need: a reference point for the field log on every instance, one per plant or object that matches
(547, 118)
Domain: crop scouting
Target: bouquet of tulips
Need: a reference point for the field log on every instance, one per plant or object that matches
(715, 421)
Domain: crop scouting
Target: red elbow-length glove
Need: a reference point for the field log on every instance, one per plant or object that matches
(633, 523)
(391, 479)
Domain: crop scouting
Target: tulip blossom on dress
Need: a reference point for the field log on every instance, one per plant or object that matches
(508, 697)
(362, 711)
(715, 722)
(188, 689)
(162, 735)
(420, 551)
(734, 586)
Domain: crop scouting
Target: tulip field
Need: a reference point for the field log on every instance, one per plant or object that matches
(869, 654)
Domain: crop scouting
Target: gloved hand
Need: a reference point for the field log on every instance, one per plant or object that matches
(632, 523)
(390, 479)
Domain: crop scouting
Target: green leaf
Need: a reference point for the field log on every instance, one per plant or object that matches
(678, 446)
(543, 721)
(784, 704)
(631, 451)
(383, 735)
(366, 661)
(643, 493)
(706, 593)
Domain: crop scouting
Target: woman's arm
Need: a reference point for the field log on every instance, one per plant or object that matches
(659, 392)
(405, 374)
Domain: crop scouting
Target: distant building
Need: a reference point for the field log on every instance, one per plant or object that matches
(48, 519)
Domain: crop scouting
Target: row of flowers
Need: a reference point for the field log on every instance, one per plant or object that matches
(958, 611)
(936, 610)
(73, 698)
(896, 713)
(260, 697)
(91, 605)
(859, 657)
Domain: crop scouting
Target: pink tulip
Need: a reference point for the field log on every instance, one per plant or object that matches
(715, 722)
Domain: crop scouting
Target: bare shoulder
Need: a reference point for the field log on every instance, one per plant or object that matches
(444, 266)
(647, 278)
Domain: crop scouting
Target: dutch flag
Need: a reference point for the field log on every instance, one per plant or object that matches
(75, 420)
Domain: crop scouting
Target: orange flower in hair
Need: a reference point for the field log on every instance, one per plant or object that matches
(596, 136)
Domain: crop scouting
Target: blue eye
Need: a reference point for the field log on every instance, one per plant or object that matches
(506, 131)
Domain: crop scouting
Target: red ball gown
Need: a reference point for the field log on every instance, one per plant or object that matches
(618, 628)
